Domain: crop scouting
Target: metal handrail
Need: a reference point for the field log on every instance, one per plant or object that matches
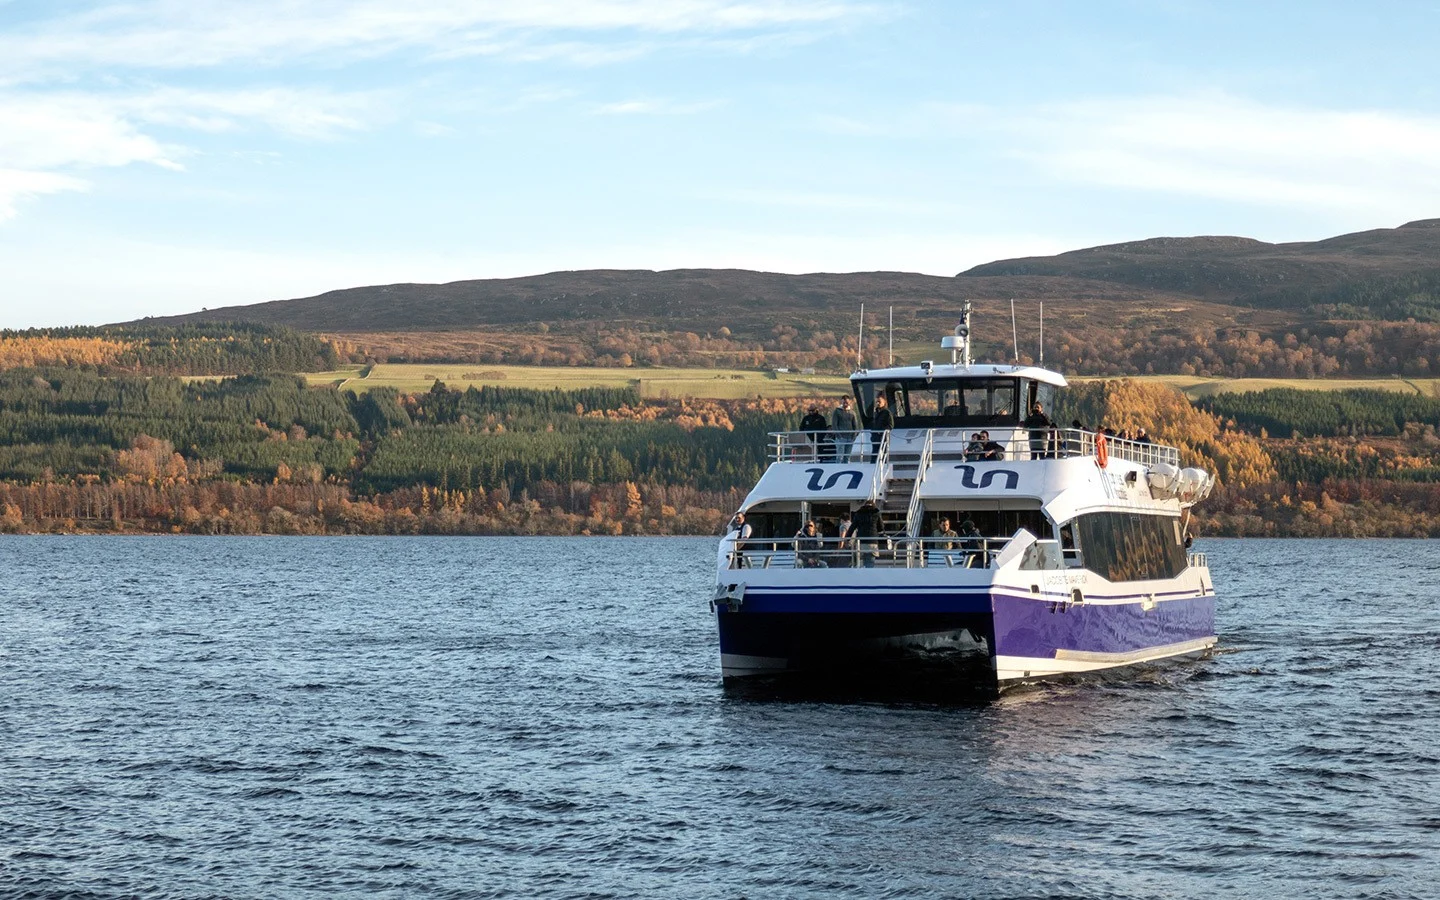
(1197, 560)
(880, 552)
(813, 446)
(882, 461)
(927, 453)
(1060, 443)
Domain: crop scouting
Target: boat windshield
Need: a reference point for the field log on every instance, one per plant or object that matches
(943, 402)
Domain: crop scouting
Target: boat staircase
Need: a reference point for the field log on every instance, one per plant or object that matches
(900, 501)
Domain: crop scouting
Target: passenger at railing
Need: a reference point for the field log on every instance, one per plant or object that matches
(975, 450)
(745, 531)
(991, 450)
(808, 543)
(864, 531)
(881, 421)
(1141, 437)
(1075, 443)
(1040, 427)
(943, 538)
(971, 540)
(815, 426)
(844, 556)
(842, 422)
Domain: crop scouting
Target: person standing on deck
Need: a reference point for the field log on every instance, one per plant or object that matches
(807, 547)
(815, 426)
(845, 533)
(842, 422)
(743, 531)
(866, 527)
(881, 421)
(1040, 426)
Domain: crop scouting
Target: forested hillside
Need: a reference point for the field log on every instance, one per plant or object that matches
(265, 453)
(209, 348)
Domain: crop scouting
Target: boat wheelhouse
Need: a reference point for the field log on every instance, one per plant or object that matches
(962, 538)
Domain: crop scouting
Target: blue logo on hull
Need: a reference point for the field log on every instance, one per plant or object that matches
(854, 475)
(967, 478)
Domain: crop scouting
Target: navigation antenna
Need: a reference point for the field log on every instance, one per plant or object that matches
(1042, 333)
(959, 343)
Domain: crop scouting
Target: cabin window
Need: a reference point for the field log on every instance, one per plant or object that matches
(1131, 546)
(775, 529)
(991, 523)
(941, 402)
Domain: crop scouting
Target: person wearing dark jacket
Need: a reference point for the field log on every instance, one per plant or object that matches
(1039, 425)
(815, 426)
(865, 527)
(842, 422)
(808, 544)
(881, 421)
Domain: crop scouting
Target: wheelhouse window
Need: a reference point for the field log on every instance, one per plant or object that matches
(1130, 546)
(943, 403)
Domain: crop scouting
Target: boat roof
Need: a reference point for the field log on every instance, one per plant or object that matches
(947, 370)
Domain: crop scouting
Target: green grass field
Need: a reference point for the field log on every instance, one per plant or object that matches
(657, 383)
(737, 383)
(1196, 387)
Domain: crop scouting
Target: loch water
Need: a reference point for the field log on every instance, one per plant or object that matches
(543, 717)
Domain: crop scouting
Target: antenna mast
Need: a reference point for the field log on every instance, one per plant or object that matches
(890, 333)
(860, 341)
(1014, 333)
(1042, 332)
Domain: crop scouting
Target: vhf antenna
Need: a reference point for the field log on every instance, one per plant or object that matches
(960, 344)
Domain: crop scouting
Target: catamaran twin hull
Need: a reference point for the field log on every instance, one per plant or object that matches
(996, 630)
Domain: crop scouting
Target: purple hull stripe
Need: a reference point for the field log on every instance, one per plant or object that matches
(1022, 625)
(1038, 629)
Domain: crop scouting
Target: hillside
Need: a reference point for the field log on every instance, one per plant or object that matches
(1218, 270)
(1358, 305)
(679, 299)
(1239, 270)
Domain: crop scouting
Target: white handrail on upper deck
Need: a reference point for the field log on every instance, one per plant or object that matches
(927, 453)
(817, 446)
(882, 459)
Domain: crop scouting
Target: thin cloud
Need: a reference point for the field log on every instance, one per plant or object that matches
(17, 185)
(655, 108)
(167, 34)
(1356, 161)
(46, 136)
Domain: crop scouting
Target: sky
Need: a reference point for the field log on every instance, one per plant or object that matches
(163, 156)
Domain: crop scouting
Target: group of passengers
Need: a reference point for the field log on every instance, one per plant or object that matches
(833, 440)
(855, 540)
(968, 538)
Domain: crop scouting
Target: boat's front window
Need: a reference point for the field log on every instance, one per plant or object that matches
(940, 402)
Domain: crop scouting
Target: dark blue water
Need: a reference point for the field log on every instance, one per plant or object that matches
(449, 717)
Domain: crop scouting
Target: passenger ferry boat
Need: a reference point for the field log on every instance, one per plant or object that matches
(1071, 555)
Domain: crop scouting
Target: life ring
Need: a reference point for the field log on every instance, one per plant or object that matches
(1102, 452)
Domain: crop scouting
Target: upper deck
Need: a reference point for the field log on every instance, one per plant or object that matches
(947, 443)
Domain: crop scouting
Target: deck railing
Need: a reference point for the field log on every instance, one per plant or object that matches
(912, 513)
(856, 553)
(954, 443)
(1198, 561)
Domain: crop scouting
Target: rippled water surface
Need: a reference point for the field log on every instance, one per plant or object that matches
(453, 717)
